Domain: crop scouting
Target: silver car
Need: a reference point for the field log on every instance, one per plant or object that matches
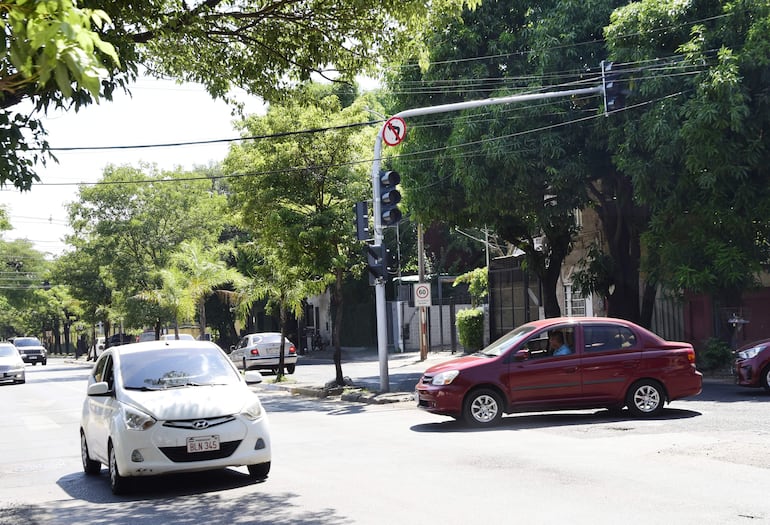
(262, 351)
(11, 364)
(164, 407)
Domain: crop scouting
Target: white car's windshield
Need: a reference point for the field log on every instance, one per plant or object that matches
(507, 341)
(27, 341)
(175, 367)
(7, 351)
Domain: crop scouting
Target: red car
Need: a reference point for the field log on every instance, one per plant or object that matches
(563, 363)
(752, 365)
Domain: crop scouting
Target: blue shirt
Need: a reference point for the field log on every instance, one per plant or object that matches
(562, 350)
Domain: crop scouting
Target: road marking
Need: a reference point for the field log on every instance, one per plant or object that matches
(39, 423)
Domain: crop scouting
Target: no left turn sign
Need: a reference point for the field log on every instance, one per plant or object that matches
(393, 131)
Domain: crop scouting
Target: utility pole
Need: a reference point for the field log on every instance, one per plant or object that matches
(388, 127)
(421, 279)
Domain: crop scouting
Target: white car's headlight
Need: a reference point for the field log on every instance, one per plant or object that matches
(252, 411)
(751, 352)
(445, 378)
(136, 419)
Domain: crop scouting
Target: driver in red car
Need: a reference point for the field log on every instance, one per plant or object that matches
(556, 342)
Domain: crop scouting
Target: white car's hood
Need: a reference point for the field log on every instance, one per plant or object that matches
(191, 402)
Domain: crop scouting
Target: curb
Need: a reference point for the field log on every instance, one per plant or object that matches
(355, 395)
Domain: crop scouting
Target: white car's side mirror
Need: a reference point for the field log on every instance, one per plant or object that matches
(98, 389)
(252, 377)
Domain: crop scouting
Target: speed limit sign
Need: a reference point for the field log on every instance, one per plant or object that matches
(422, 294)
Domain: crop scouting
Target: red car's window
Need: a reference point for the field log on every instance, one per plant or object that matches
(603, 338)
(559, 341)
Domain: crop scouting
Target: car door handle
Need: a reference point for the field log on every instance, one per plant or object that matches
(570, 369)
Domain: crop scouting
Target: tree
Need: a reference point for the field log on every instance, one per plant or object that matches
(52, 55)
(485, 167)
(129, 225)
(478, 284)
(263, 48)
(286, 286)
(697, 152)
(204, 271)
(174, 295)
(300, 189)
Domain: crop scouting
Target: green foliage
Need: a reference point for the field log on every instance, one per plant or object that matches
(478, 284)
(696, 151)
(486, 167)
(51, 53)
(266, 48)
(470, 329)
(715, 354)
(204, 271)
(50, 45)
(304, 209)
(126, 230)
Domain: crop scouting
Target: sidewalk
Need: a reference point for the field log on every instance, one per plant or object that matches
(363, 386)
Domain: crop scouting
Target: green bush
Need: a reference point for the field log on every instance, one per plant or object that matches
(714, 355)
(470, 329)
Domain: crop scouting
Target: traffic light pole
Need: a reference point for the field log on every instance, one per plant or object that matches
(379, 287)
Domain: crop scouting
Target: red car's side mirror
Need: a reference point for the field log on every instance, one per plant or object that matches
(521, 355)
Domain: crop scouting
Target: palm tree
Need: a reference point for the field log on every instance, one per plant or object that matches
(204, 271)
(283, 285)
(173, 295)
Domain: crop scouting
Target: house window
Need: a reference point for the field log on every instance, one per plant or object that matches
(574, 303)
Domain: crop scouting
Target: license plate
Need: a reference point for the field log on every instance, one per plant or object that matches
(202, 444)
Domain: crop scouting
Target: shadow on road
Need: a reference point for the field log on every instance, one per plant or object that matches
(180, 499)
(553, 420)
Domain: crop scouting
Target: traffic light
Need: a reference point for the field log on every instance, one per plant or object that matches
(391, 262)
(389, 198)
(362, 221)
(375, 263)
(615, 89)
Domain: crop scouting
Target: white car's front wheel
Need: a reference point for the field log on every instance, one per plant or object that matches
(90, 466)
(118, 483)
(259, 471)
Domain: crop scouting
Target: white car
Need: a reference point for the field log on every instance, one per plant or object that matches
(172, 337)
(96, 350)
(262, 351)
(164, 407)
(11, 364)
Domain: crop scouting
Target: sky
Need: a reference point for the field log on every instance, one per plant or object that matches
(158, 111)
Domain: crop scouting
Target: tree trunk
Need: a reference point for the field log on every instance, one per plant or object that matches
(648, 304)
(621, 221)
(337, 328)
(282, 316)
(202, 318)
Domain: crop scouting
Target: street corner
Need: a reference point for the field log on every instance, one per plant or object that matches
(373, 398)
(306, 390)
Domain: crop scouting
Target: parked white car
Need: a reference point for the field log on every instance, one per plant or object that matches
(172, 337)
(164, 407)
(261, 352)
(96, 350)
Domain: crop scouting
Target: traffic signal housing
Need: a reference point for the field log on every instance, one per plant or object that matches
(362, 221)
(389, 196)
(375, 262)
(615, 88)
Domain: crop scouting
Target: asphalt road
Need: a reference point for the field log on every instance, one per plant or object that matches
(703, 461)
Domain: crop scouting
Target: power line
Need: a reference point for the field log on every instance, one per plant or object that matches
(218, 141)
